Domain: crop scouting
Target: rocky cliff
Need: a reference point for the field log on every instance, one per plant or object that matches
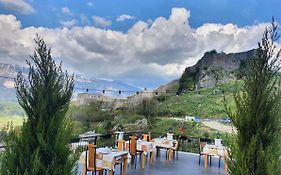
(213, 68)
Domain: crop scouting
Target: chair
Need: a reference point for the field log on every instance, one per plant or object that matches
(90, 163)
(120, 147)
(223, 155)
(146, 137)
(133, 150)
(202, 143)
(175, 149)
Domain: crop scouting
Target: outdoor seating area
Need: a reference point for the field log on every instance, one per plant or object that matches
(147, 155)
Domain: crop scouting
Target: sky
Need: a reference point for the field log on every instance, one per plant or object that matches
(142, 42)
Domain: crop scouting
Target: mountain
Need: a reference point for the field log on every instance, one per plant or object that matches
(213, 68)
(82, 83)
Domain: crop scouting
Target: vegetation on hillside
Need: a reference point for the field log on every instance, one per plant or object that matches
(206, 103)
(89, 117)
(187, 81)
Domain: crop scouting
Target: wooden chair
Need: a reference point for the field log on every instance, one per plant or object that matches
(202, 143)
(133, 150)
(120, 145)
(90, 164)
(146, 137)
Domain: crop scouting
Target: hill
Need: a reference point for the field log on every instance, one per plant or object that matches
(206, 103)
(214, 68)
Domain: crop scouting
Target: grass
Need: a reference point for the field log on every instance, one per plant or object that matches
(193, 129)
(16, 120)
(207, 103)
(10, 111)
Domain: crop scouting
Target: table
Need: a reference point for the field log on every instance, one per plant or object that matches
(107, 160)
(214, 150)
(170, 145)
(145, 148)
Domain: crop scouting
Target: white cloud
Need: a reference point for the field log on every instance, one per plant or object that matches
(69, 23)
(18, 5)
(124, 17)
(149, 52)
(101, 22)
(66, 11)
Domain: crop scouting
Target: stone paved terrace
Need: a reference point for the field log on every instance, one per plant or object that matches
(187, 164)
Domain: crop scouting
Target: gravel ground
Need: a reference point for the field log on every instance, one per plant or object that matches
(219, 126)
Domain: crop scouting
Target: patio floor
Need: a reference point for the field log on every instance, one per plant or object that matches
(186, 164)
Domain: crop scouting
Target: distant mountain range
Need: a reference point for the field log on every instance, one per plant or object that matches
(82, 84)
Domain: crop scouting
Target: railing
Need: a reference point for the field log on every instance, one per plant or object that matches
(186, 143)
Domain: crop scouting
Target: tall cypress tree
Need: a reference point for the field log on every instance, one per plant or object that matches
(41, 148)
(255, 149)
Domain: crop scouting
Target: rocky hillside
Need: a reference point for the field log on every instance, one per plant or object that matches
(213, 68)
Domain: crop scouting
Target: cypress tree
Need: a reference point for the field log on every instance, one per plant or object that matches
(255, 149)
(41, 147)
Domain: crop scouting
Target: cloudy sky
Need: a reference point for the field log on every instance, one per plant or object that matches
(142, 42)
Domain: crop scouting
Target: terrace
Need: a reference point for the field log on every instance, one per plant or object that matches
(186, 163)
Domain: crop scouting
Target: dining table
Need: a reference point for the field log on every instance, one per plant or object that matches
(145, 148)
(106, 159)
(169, 144)
(214, 150)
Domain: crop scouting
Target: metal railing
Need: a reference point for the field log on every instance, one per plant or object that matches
(186, 143)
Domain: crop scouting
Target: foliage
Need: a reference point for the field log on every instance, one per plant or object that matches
(41, 148)
(255, 150)
(193, 129)
(187, 81)
(148, 108)
(89, 115)
(206, 103)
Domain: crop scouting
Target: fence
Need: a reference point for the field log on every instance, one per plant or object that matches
(186, 143)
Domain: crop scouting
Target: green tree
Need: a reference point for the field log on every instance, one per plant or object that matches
(41, 148)
(255, 149)
(148, 108)
(89, 115)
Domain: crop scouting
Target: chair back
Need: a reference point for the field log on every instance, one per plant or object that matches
(146, 137)
(120, 145)
(91, 157)
(202, 143)
(175, 145)
(133, 145)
